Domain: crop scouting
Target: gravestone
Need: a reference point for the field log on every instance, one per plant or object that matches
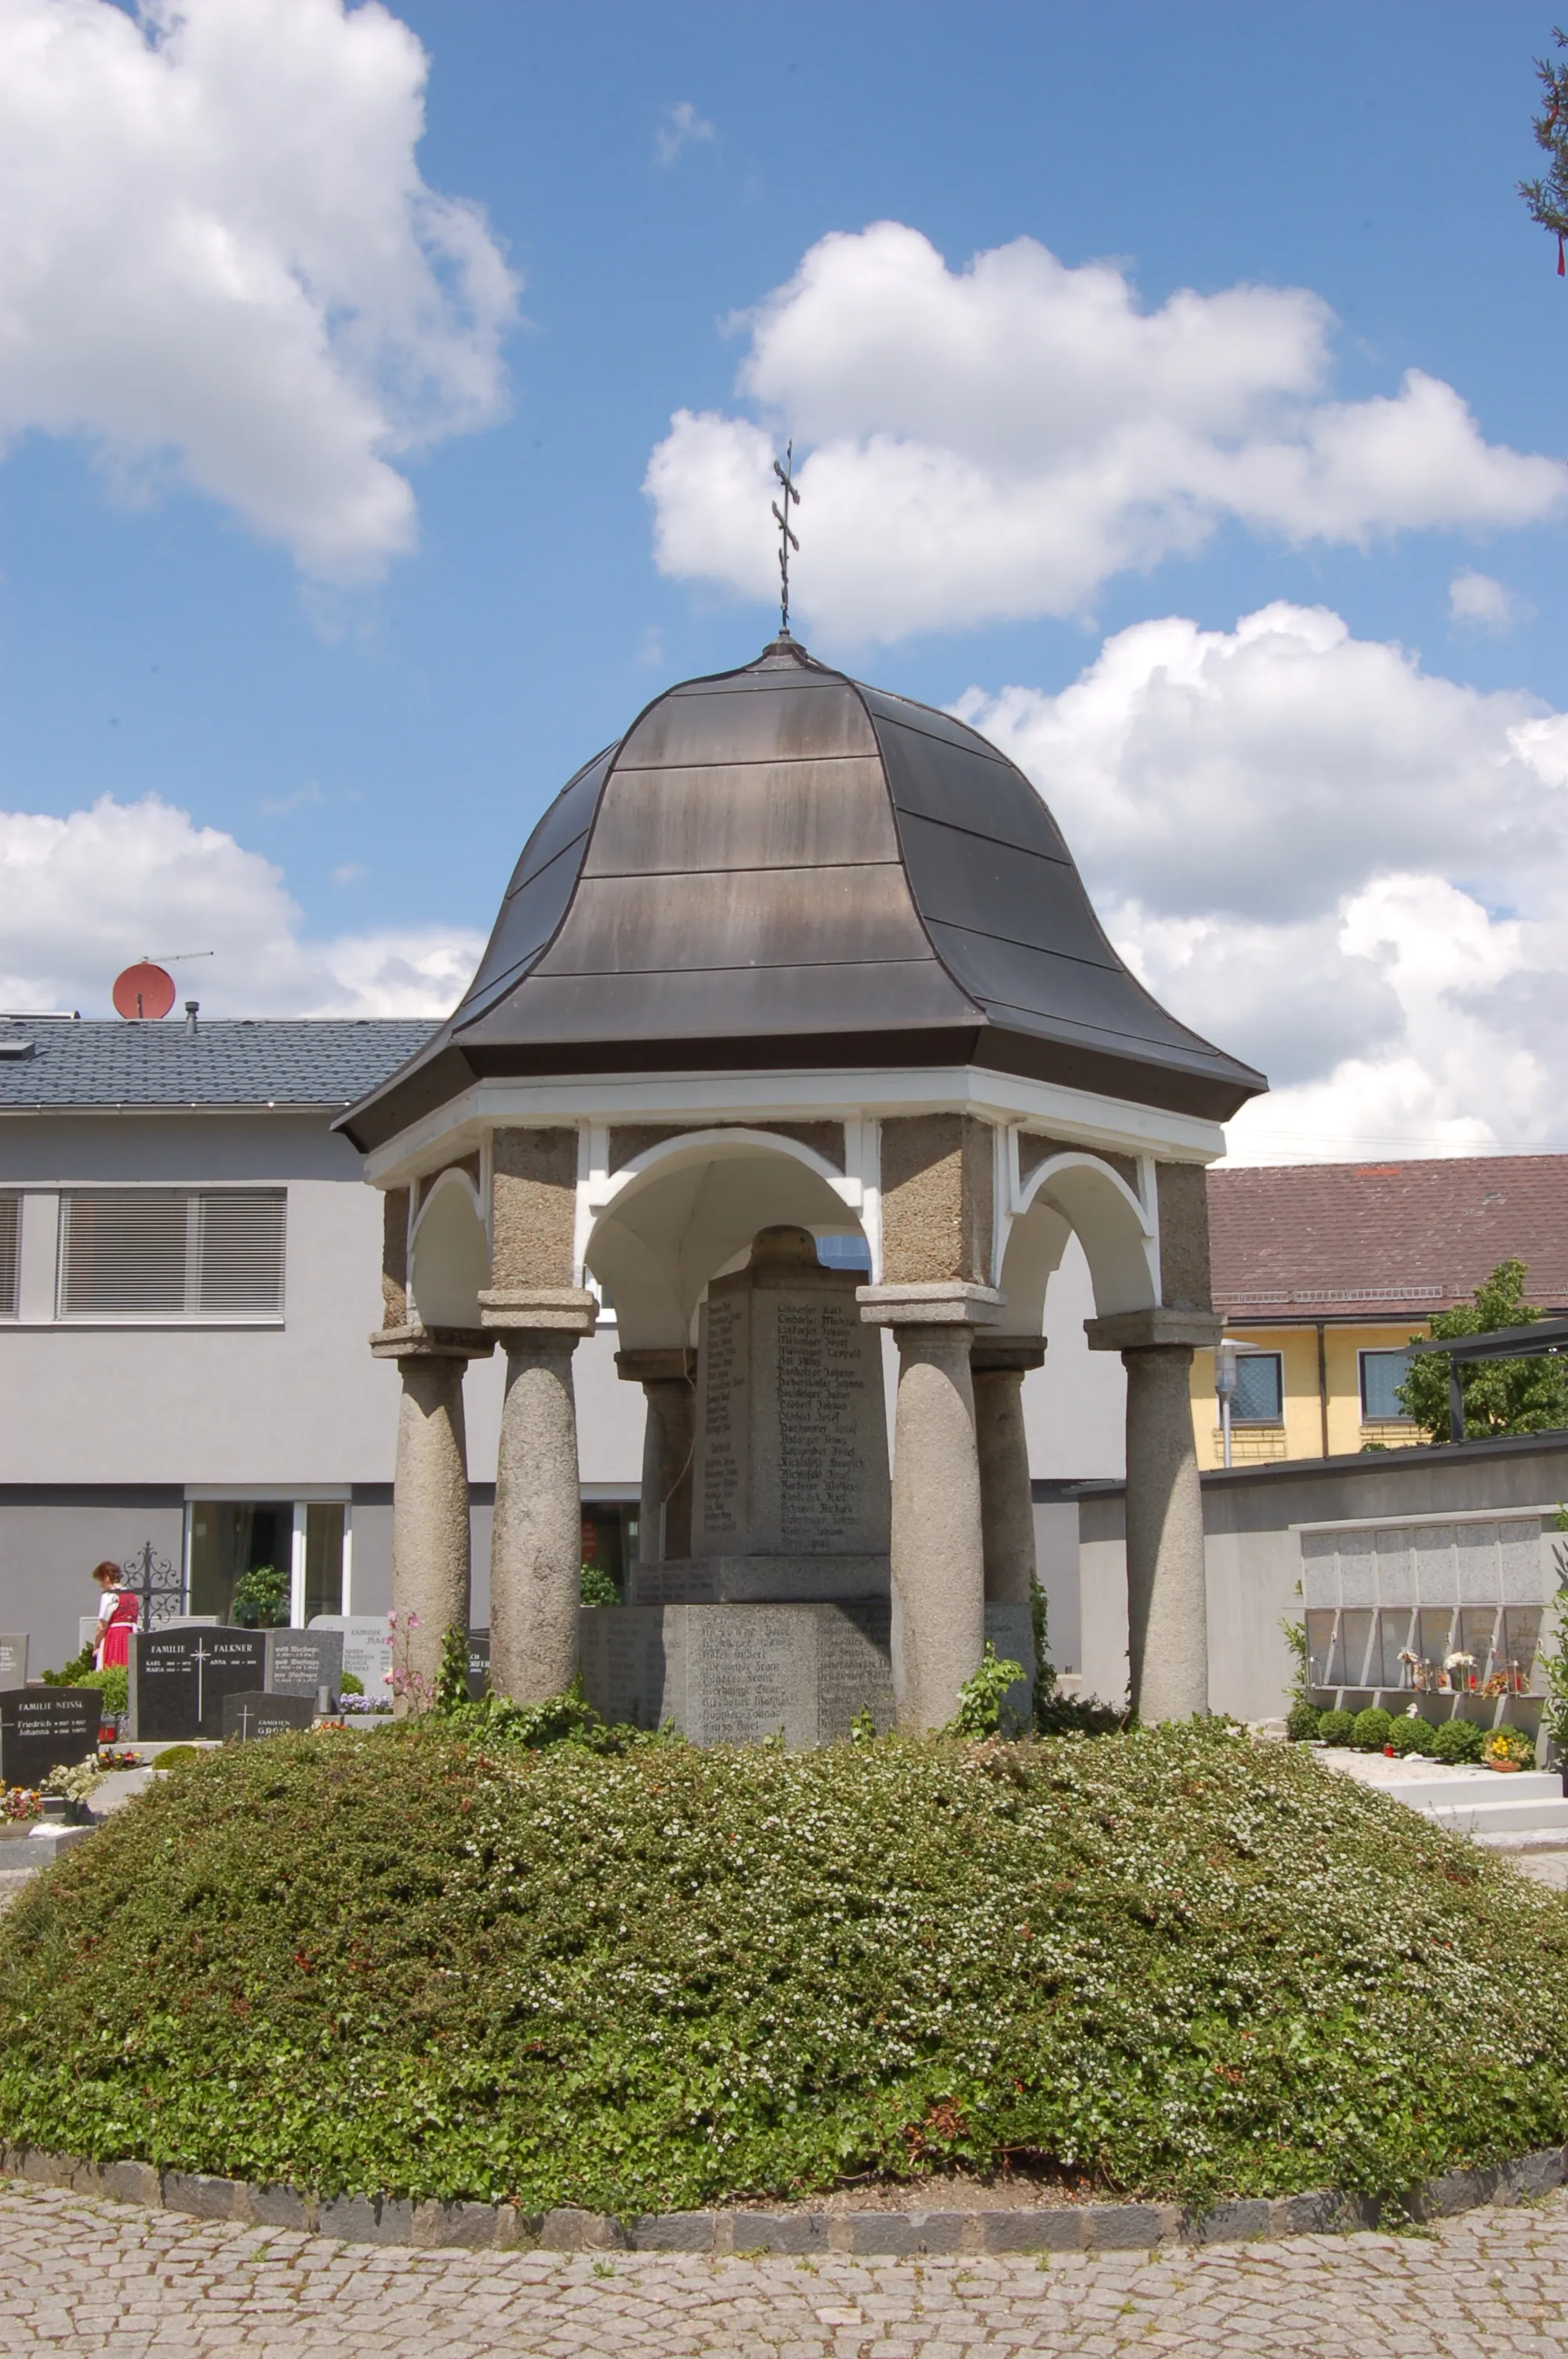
(790, 1486)
(46, 1728)
(13, 1660)
(178, 1679)
(303, 1662)
(248, 1717)
(479, 1664)
(367, 1647)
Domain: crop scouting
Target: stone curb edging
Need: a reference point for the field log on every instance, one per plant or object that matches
(887, 2235)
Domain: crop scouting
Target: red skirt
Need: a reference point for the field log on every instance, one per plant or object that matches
(113, 1646)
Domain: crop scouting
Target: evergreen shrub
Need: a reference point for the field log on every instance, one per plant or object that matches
(649, 1977)
(1370, 1730)
(1302, 1722)
(1335, 1727)
(1409, 1736)
(1457, 1741)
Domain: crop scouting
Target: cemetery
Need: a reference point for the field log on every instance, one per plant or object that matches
(791, 1869)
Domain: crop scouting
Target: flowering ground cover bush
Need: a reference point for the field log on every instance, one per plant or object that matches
(1174, 1962)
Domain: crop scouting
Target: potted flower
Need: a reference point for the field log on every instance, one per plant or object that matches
(1507, 1749)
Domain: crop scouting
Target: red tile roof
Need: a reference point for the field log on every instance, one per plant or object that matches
(1370, 1240)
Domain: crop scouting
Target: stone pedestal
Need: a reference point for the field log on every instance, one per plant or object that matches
(937, 1539)
(790, 1495)
(536, 1536)
(998, 1365)
(740, 1674)
(1167, 1586)
(430, 1540)
(668, 1379)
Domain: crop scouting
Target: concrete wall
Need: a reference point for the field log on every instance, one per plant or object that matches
(1254, 1554)
(49, 1547)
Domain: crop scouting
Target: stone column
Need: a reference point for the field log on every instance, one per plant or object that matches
(535, 1553)
(668, 1378)
(937, 1543)
(998, 1365)
(430, 1542)
(1167, 1585)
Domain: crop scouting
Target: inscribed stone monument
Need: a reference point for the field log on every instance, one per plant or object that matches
(303, 1662)
(13, 1660)
(46, 1728)
(367, 1647)
(790, 1492)
(178, 1679)
(248, 1717)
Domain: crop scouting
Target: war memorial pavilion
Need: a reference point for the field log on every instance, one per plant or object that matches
(796, 958)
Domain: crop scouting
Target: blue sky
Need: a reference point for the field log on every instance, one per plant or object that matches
(649, 171)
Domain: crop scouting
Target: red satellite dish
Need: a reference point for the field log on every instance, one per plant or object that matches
(143, 990)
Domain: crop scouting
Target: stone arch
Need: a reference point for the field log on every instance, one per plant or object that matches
(450, 1258)
(1078, 1193)
(680, 1210)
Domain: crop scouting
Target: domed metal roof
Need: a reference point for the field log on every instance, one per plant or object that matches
(780, 866)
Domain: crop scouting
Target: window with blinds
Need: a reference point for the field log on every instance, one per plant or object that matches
(171, 1253)
(10, 1235)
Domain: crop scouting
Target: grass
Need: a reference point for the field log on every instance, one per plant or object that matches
(1172, 1962)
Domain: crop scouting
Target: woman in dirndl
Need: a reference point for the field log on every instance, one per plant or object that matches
(119, 1610)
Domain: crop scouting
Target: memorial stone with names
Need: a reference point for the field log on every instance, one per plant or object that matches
(790, 1485)
(46, 1728)
(367, 1647)
(248, 1717)
(303, 1662)
(178, 1679)
(13, 1660)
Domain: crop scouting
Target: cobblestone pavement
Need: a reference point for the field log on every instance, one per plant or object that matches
(80, 2277)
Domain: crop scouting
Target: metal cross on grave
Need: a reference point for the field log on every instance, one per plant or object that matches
(786, 538)
(201, 1659)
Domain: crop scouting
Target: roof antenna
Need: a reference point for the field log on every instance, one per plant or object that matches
(786, 538)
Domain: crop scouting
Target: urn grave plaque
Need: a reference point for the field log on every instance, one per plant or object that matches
(46, 1728)
(248, 1717)
(13, 1660)
(178, 1679)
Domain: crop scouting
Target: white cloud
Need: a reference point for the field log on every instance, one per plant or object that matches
(1478, 603)
(220, 264)
(999, 442)
(682, 127)
(1349, 871)
(86, 894)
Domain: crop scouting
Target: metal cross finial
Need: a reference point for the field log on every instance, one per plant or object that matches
(786, 538)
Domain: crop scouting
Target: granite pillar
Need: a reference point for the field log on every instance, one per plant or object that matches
(430, 1545)
(1167, 1586)
(536, 1536)
(998, 1365)
(937, 1535)
(668, 1378)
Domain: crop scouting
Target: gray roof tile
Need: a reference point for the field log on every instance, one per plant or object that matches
(244, 1061)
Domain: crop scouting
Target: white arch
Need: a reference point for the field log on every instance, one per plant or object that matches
(664, 1224)
(1076, 1192)
(449, 1260)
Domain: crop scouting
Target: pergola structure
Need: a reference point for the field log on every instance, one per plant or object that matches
(795, 950)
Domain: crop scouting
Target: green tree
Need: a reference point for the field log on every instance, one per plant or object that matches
(1500, 1395)
(1548, 199)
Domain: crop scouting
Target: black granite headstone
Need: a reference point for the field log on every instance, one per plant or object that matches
(479, 1664)
(248, 1717)
(178, 1679)
(46, 1728)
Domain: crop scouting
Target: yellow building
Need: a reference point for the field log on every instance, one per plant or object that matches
(1324, 1272)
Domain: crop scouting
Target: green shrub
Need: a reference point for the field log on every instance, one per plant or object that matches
(112, 1684)
(1335, 1727)
(597, 1587)
(1172, 1961)
(1371, 1729)
(72, 1674)
(1409, 1736)
(1302, 1723)
(1457, 1740)
(983, 1699)
(177, 1756)
(261, 1597)
(351, 1684)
